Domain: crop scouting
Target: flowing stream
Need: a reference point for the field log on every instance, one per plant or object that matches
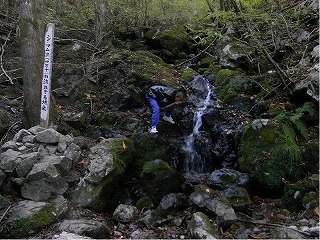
(195, 162)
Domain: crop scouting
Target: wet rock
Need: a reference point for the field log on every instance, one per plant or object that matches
(227, 178)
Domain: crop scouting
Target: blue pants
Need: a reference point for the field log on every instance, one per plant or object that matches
(156, 111)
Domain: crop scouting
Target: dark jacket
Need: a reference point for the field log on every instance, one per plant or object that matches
(163, 95)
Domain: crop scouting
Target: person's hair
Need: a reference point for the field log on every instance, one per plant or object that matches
(181, 94)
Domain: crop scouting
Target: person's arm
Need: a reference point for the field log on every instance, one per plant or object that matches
(172, 105)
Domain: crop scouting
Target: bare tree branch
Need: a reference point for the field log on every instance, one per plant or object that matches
(1, 58)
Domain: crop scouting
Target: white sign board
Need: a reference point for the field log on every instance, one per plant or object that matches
(46, 76)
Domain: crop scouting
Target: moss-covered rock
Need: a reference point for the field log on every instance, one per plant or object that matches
(301, 194)
(188, 74)
(174, 38)
(160, 179)
(28, 218)
(269, 153)
(206, 62)
(144, 203)
(101, 188)
(148, 148)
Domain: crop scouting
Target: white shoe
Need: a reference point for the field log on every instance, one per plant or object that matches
(168, 119)
(153, 130)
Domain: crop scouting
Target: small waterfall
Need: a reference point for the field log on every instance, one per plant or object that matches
(203, 99)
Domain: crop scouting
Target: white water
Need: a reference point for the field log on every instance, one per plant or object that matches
(194, 162)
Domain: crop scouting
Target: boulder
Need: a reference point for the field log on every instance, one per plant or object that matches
(108, 162)
(214, 202)
(202, 227)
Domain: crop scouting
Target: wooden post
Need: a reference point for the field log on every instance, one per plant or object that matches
(46, 76)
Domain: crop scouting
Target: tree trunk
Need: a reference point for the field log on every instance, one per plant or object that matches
(101, 24)
(32, 49)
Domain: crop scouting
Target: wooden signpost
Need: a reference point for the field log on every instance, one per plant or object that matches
(46, 76)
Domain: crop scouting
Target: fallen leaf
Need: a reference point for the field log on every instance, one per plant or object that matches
(124, 146)
(316, 210)
(272, 218)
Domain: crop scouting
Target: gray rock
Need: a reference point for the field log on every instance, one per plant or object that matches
(315, 52)
(26, 209)
(259, 123)
(20, 135)
(29, 217)
(125, 213)
(36, 129)
(90, 228)
(8, 145)
(213, 201)
(202, 227)
(173, 201)
(44, 170)
(227, 178)
(287, 233)
(69, 236)
(73, 152)
(62, 206)
(238, 197)
(62, 163)
(25, 163)
(2, 177)
(8, 160)
(29, 139)
(64, 142)
(49, 136)
(39, 190)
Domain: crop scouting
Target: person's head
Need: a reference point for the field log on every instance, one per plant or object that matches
(180, 95)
